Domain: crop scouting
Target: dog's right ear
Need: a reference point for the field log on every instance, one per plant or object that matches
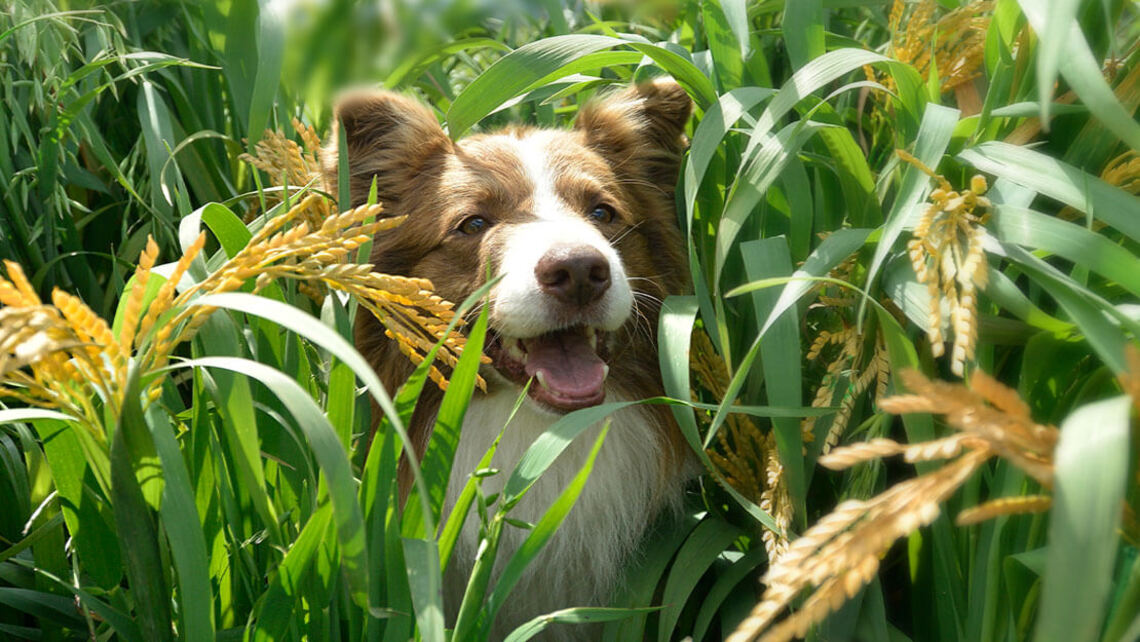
(388, 136)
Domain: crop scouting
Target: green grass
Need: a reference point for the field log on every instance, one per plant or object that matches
(241, 503)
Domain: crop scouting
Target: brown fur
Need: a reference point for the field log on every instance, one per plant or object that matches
(625, 148)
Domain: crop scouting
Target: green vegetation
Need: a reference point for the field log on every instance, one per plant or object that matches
(870, 184)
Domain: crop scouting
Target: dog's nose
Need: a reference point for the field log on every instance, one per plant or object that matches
(578, 275)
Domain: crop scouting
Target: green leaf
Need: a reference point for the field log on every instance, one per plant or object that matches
(836, 247)
(1084, 307)
(270, 53)
(517, 72)
(718, 120)
(12, 415)
(291, 318)
(528, 66)
(226, 226)
(1088, 249)
(1056, 179)
(135, 520)
(276, 609)
(704, 545)
(780, 359)
(811, 77)
(724, 45)
(424, 579)
(550, 444)
(674, 334)
(1054, 19)
(1055, 27)
(444, 441)
(803, 30)
(1091, 474)
(760, 173)
(234, 404)
(180, 522)
(726, 584)
(542, 531)
(412, 67)
(579, 615)
(158, 136)
(331, 458)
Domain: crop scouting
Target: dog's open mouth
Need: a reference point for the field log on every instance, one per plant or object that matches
(568, 366)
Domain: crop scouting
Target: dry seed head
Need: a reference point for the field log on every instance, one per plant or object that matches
(848, 456)
(17, 291)
(839, 554)
(988, 411)
(955, 41)
(1023, 505)
(309, 138)
(1130, 378)
(134, 300)
(947, 255)
(87, 325)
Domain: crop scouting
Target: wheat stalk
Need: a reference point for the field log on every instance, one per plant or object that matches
(947, 255)
(840, 553)
(747, 458)
(65, 356)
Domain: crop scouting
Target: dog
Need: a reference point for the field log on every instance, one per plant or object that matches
(580, 227)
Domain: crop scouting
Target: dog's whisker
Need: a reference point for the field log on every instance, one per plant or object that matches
(626, 232)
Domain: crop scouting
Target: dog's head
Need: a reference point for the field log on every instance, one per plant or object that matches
(579, 224)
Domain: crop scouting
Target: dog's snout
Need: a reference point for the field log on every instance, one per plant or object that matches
(577, 275)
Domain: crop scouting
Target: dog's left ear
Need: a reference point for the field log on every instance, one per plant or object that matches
(640, 130)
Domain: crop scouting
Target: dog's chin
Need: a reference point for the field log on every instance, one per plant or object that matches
(568, 366)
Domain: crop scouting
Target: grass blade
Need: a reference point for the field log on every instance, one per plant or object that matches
(270, 51)
(1079, 67)
(1091, 469)
(780, 359)
(696, 555)
(579, 615)
(1059, 180)
(135, 522)
(1052, 27)
(276, 607)
(424, 579)
(803, 30)
(330, 456)
(1037, 231)
(543, 530)
(516, 72)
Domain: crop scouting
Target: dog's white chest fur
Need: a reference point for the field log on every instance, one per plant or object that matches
(582, 564)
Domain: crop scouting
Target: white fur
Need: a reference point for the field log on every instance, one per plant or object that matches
(582, 564)
(521, 309)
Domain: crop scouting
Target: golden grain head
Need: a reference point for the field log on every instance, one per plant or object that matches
(1023, 505)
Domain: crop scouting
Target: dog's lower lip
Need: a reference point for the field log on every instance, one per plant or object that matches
(567, 366)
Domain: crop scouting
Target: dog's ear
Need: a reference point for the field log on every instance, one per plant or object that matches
(640, 130)
(388, 136)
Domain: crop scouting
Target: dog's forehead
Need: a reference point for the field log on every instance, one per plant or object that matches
(544, 162)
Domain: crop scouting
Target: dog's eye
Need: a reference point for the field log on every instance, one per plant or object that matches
(473, 225)
(602, 214)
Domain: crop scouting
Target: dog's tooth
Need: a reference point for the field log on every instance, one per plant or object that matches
(541, 376)
(605, 371)
(592, 335)
(514, 349)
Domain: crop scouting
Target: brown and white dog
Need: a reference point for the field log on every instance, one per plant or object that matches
(581, 227)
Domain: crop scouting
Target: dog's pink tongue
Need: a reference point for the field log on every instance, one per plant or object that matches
(573, 376)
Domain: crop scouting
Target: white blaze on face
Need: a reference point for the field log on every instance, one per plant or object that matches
(521, 309)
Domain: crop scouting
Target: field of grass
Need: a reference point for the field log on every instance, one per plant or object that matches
(909, 362)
